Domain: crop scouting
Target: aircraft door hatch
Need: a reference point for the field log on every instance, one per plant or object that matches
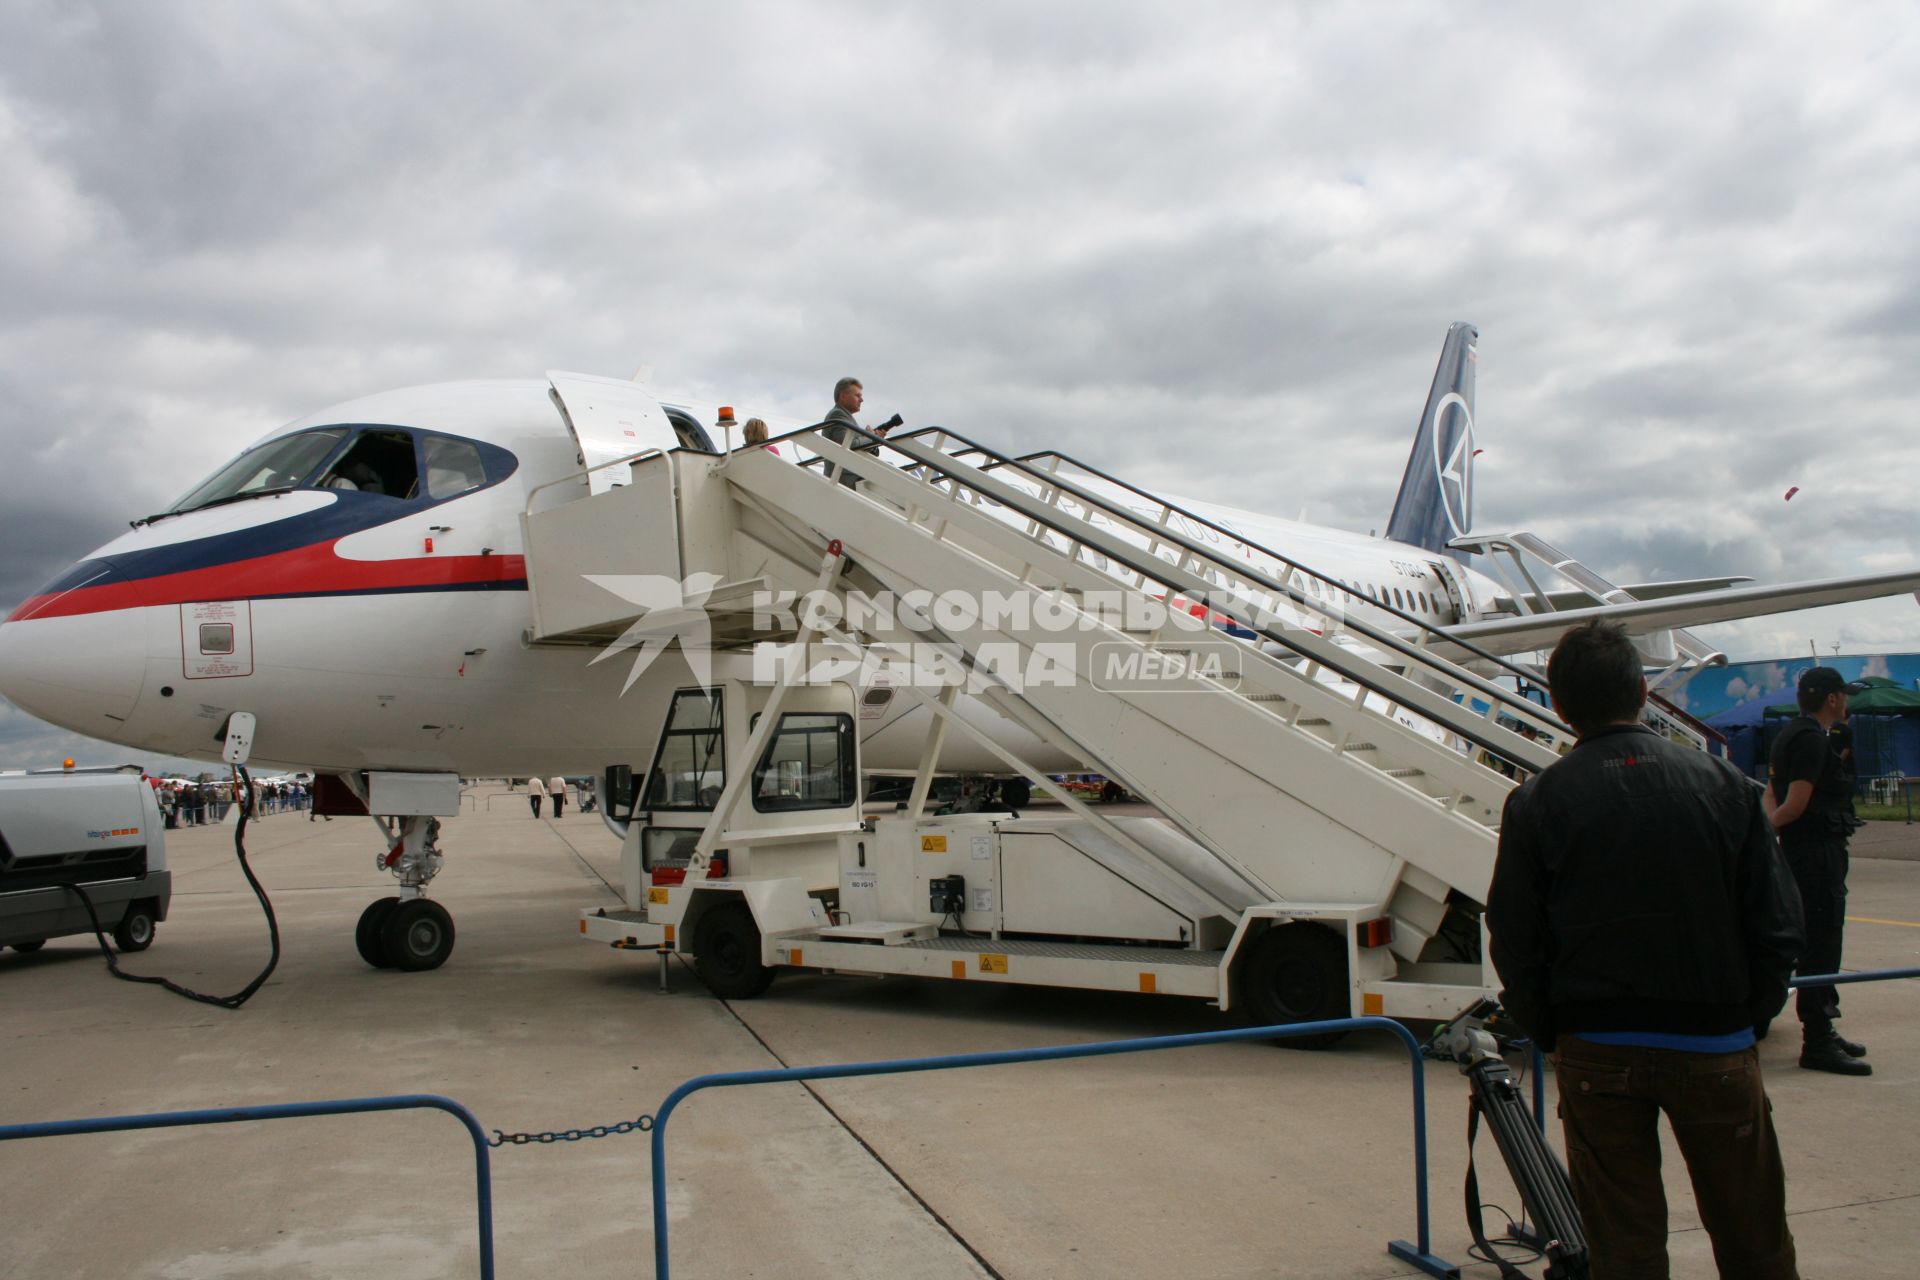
(610, 421)
(1457, 604)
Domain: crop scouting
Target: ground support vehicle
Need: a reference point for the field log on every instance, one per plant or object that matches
(100, 829)
(1329, 832)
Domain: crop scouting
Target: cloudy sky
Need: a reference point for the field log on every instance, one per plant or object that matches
(1214, 245)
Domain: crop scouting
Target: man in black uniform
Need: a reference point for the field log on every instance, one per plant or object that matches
(1810, 803)
(1643, 924)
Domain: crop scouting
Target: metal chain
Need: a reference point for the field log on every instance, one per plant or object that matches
(640, 1125)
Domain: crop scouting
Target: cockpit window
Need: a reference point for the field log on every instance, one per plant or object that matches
(277, 464)
(377, 462)
(453, 466)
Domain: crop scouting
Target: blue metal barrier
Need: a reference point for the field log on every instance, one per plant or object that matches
(483, 1173)
(1841, 979)
(1417, 1254)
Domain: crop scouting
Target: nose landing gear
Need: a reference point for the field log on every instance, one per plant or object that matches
(409, 931)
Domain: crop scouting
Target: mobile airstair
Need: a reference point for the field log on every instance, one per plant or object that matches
(1330, 787)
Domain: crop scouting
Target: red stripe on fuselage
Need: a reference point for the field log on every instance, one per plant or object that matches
(304, 571)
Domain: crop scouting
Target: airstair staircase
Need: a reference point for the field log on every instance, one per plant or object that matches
(1322, 762)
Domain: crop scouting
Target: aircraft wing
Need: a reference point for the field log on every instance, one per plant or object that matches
(1529, 632)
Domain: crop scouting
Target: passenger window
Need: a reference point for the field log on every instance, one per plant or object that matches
(377, 462)
(453, 466)
(808, 765)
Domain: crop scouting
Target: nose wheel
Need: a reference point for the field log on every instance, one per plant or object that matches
(367, 934)
(411, 935)
(407, 932)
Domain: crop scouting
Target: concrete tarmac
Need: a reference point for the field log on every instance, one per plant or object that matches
(1237, 1160)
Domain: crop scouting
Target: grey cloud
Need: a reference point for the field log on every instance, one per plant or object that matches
(1213, 249)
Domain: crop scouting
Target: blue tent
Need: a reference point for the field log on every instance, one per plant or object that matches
(1748, 733)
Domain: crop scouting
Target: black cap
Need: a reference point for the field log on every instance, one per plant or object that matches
(1825, 681)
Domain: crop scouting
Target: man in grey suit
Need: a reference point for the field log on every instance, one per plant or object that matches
(848, 395)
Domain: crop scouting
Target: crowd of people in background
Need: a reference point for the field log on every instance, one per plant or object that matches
(188, 803)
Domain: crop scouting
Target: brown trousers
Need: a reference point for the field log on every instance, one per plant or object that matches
(1611, 1097)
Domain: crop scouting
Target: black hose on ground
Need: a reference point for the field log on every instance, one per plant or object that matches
(243, 796)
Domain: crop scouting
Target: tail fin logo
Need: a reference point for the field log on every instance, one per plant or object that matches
(1453, 462)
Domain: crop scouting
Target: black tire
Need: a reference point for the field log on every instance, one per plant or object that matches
(418, 935)
(1296, 973)
(24, 947)
(135, 930)
(367, 935)
(726, 953)
(1016, 793)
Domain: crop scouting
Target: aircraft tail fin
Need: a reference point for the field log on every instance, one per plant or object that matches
(1435, 503)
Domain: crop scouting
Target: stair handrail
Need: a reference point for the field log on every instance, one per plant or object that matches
(1414, 653)
(1035, 509)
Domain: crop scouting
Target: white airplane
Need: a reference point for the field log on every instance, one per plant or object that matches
(356, 581)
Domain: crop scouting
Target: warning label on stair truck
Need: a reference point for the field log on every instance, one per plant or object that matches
(990, 963)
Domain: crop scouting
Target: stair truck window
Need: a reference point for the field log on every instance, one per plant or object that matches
(808, 765)
(689, 769)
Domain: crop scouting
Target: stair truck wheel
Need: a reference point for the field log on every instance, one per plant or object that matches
(1296, 973)
(366, 934)
(25, 947)
(418, 935)
(135, 930)
(726, 953)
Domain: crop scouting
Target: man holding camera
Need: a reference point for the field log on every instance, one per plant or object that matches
(1809, 800)
(843, 427)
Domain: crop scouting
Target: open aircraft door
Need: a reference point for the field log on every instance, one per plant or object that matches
(1459, 599)
(611, 421)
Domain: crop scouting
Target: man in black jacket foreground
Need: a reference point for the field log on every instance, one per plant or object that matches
(1644, 924)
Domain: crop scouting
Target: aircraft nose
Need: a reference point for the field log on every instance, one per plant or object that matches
(82, 671)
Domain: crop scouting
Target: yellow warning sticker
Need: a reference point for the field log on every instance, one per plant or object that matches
(933, 844)
(656, 895)
(990, 963)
